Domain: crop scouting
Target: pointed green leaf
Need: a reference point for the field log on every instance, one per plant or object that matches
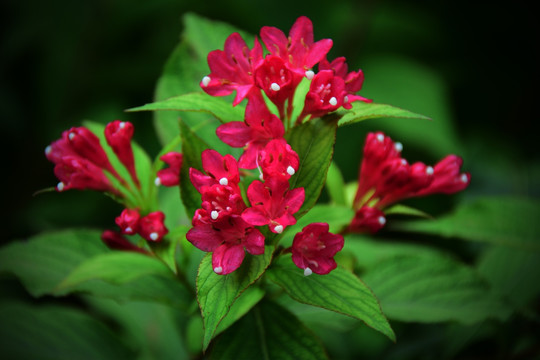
(339, 291)
(216, 293)
(268, 331)
(314, 142)
(198, 102)
(362, 111)
(247, 300)
(433, 289)
(336, 185)
(498, 220)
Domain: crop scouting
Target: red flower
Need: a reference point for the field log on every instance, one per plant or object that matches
(298, 50)
(273, 204)
(367, 219)
(75, 172)
(326, 94)
(116, 241)
(227, 239)
(128, 221)
(221, 170)
(151, 226)
(278, 160)
(171, 175)
(232, 69)
(219, 201)
(314, 248)
(259, 128)
(118, 135)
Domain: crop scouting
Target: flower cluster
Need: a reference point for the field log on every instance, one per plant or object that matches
(386, 178)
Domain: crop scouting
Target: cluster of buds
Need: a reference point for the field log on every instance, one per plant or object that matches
(386, 178)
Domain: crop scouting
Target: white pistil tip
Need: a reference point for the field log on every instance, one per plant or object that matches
(310, 74)
(261, 177)
(214, 215)
(381, 220)
(429, 170)
(71, 136)
(464, 178)
(333, 101)
(290, 170)
(398, 146)
(206, 81)
(122, 125)
(380, 137)
(128, 230)
(60, 186)
(275, 87)
(223, 181)
(154, 236)
(307, 271)
(345, 99)
(218, 269)
(279, 229)
(403, 162)
(48, 150)
(157, 182)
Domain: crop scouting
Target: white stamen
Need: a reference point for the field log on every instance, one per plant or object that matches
(206, 80)
(464, 178)
(310, 74)
(71, 136)
(154, 236)
(214, 215)
(380, 137)
(333, 101)
(398, 146)
(307, 271)
(122, 125)
(290, 170)
(218, 269)
(60, 186)
(261, 177)
(157, 182)
(223, 181)
(278, 229)
(403, 162)
(345, 99)
(275, 87)
(48, 150)
(429, 170)
(128, 230)
(381, 220)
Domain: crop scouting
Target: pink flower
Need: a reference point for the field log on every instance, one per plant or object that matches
(298, 50)
(75, 172)
(152, 228)
(171, 175)
(232, 69)
(273, 204)
(353, 80)
(116, 241)
(367, 219)
(219, 201)
(447, 177)
(128, 221)
(118, 135)
(219, 169)
(326, 94)
(314, 248)
(278, 160)
(227, 239)
(259, 128)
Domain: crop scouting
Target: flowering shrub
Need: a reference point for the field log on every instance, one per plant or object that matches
(248, 235)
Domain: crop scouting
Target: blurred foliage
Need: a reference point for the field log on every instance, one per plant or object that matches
(471, 67)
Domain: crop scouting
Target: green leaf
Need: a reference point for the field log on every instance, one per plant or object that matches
(44, 260)
(192, 148)
(247, 300)
(54, 332)
(115, 268)
(314, 142)
(217, 293)
(433, 289)
(268, 331)
(198, 102)
(335, 184)
(339, 291)
(362, 111)
(498, 220)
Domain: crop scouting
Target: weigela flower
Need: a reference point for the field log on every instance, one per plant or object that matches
(326, 94)
(232, 69)
(75, 172)
(278, 160)
(152, 227)
(273, 204)
(299, 52)
(386, 178)
(116, 241)
(128, 221)
(170, 176)
(219, 169)
(259, 127)
(118, 135)
(219, 201)
(314, 248)
(227, 239)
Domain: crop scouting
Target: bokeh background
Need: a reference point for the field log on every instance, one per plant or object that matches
(471, 67)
